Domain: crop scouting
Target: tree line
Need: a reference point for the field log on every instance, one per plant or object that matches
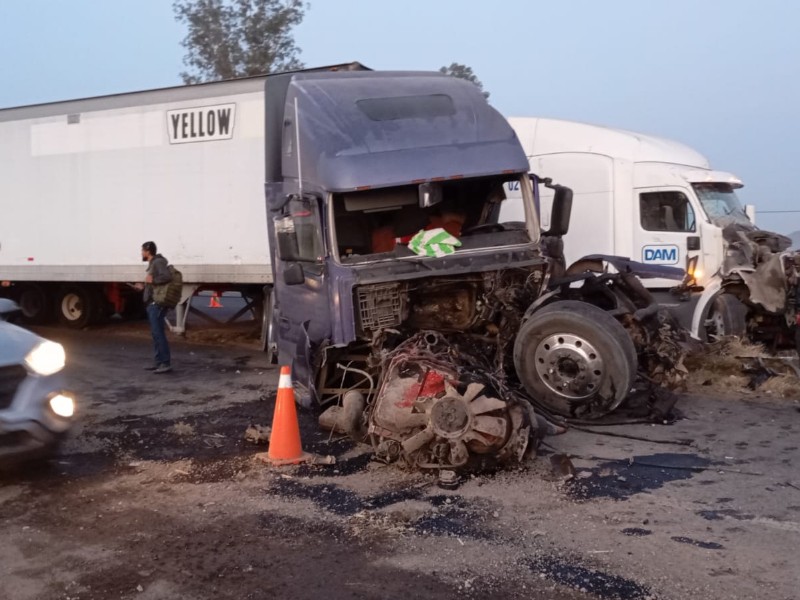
(226, 39)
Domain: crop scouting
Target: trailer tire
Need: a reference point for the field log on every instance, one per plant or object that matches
(35, 303)
(76, 306)
(267, 341)
(726, 317)
(575, 359)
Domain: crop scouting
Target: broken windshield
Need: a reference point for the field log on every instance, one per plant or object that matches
(389, 223)
(719, 200)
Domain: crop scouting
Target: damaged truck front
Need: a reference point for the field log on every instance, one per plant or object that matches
(399, 296)
(754, 295)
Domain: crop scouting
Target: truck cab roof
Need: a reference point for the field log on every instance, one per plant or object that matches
(551, 136)
(385, 128)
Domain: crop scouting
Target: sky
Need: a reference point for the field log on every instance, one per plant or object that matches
(722, 76)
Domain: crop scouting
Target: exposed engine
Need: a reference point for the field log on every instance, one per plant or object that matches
(434, 385)
(435, 408)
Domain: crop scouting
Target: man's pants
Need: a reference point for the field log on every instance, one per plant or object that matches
(156, 314)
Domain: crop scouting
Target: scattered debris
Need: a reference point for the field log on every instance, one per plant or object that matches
(258, 434)
(758, 372)
(562, 466)
(731, 363)
(182, 429)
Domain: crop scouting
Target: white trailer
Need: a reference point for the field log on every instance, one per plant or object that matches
(648, 198)
(84, 183)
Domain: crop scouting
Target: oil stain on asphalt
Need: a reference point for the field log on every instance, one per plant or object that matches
(619, 480)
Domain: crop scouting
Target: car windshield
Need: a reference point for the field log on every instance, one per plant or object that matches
(719, 200)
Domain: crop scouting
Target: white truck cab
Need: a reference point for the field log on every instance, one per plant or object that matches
(648, 198)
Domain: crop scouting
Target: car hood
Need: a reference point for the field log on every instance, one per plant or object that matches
(15, 343)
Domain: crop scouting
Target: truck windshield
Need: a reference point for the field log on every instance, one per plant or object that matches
(719, 200)
(379, 224)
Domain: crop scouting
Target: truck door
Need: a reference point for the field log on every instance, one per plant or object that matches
(665, 230)
(302, 316)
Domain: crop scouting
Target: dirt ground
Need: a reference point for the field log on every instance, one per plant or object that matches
(157, 495)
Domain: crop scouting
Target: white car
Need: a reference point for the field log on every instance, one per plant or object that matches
(36, 410)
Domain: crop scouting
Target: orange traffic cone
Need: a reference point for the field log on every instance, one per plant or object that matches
(214, 302)
(284, 443)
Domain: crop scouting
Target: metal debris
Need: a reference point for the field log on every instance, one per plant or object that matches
(449, 480)
(258, 434)
(562, 466)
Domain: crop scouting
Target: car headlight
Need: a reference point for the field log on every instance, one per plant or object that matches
(46, 358)
(62, 405)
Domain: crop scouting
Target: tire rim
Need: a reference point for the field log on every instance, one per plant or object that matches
(569, 365)
(72, 307)
(718, 323)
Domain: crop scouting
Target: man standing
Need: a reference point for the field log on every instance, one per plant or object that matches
(157, 274)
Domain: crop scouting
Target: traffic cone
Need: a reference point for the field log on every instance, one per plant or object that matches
(284, 443)
(214, 302)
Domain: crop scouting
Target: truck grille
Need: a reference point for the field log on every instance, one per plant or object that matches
(10, 379)
(380, 306)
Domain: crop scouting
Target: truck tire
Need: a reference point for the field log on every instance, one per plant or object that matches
(726, 317)
(267, 342)
(575, 359)
(76, 306)
(35, 303)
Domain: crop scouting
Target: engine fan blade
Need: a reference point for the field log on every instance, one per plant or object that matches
(485, 404)
(458, 453)
(493, 426)
(473, 389)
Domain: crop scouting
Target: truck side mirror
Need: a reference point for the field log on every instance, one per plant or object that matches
(430, 194)
(293, 274)
(561, 212)
(750, 211)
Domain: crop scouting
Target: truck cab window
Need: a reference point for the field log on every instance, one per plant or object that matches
(298, 231)
(666, 211)
(371, 223)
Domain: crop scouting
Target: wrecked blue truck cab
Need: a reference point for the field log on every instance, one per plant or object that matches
(416, 345)
(356, 147)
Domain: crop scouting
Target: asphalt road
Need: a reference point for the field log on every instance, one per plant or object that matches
(157, 495)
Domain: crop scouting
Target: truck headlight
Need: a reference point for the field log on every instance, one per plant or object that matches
(46, 358)
(62, 405)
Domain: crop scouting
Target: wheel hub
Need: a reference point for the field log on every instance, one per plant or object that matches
(719, 323)
(449, 417)
(72, 307)
(569, 365)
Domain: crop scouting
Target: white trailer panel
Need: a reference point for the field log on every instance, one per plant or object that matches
(84, 183)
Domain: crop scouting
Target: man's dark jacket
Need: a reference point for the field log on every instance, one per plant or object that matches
(161, 275)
